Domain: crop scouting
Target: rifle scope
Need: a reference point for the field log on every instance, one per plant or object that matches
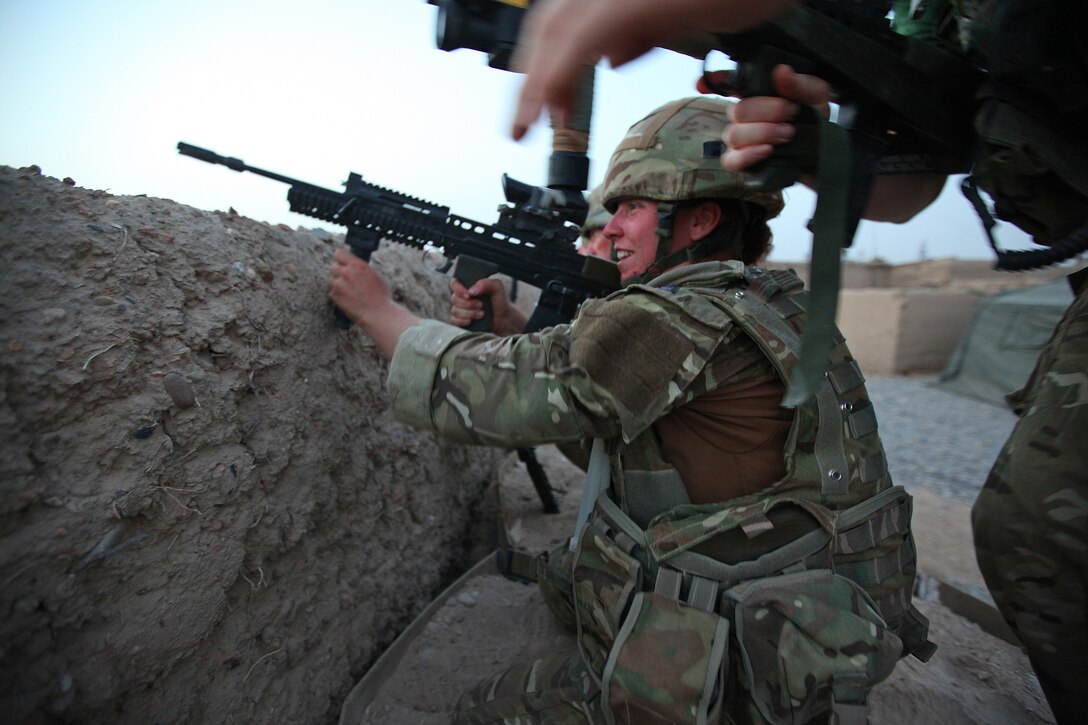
(490, 26)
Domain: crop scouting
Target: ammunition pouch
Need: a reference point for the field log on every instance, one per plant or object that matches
(810, 642)
(817, 620)
(668, 664)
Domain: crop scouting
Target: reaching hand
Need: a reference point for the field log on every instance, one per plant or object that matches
(762, 122)
(362, 295)
(466, 307)
(560, 37)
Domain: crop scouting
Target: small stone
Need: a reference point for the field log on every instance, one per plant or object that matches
(52, 315)
(143, 432)
(179, 389)
(112, 204)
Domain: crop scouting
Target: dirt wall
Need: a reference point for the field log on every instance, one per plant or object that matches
(903, 331)
(207, 513)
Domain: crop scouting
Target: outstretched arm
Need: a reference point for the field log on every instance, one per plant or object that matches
(363, 296)
(561, 37)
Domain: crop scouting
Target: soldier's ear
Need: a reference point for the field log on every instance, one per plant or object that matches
(704, 219)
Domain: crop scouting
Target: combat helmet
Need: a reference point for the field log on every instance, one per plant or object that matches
(597, 217)
(674, 155)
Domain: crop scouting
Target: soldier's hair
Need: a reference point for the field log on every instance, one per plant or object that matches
(754, 240)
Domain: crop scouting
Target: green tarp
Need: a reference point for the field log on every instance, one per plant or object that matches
(997, 353)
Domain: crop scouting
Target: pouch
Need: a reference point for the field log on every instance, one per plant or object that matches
(668, 664)
(810, 642)
(604, 579)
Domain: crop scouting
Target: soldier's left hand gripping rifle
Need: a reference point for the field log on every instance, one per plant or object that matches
(532, 242)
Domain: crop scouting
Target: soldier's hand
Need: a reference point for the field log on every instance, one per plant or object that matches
(466, 307)
(356, 288)
(762, 122)
(559, 38)
(362, 295)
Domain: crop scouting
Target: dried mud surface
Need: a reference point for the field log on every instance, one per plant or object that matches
(207, 512)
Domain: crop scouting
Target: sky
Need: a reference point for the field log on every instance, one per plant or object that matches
(102, 92)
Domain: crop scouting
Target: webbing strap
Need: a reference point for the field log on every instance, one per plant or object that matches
(895, 521)
(845, 376)
(668, 583)
(830, 233)
(872, 467)
(829, 450)
(830, 453)
(862, 422)
(894, 605)
(620, 521)
(870, 572)
(849, 699)
(702, 592)
(787, 306)
(597, 476)
(854, 515)
(770, 563)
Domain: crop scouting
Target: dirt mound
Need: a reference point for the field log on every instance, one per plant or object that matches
(207, 513)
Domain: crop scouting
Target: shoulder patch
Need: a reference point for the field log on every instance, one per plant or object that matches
(640, 351)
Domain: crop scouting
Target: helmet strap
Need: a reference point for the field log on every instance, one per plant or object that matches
(709, 245)
(666, 220)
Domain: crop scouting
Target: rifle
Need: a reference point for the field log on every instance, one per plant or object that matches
(532, 242)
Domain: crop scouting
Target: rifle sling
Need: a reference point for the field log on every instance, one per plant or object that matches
(831, 231)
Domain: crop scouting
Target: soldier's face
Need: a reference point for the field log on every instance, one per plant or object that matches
(633, 232)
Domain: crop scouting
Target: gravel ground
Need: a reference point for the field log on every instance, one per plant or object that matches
(940, 441)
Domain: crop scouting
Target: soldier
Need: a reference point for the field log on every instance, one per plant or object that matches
(1029, 519)
(713, 516)
(593, 241)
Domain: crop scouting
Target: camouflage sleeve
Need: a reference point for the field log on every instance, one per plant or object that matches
(622, 364)
(413, 367)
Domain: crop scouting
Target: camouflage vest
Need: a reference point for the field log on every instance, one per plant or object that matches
(833, 533)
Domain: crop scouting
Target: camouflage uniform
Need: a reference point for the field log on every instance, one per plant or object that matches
(1031, 518)
(680, 336)
(772, 605)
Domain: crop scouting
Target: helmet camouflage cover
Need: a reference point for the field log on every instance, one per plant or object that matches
(597, 217)
(674, 154)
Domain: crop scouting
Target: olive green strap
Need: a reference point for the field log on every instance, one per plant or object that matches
(831, 231)
(598, 474)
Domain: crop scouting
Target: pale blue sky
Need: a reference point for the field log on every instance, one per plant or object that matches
(102, 92)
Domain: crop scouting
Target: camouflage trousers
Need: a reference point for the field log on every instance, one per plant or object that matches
(1031, 519)
(552, 690)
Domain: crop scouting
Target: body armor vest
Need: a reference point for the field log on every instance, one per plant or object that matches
(835, 509)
